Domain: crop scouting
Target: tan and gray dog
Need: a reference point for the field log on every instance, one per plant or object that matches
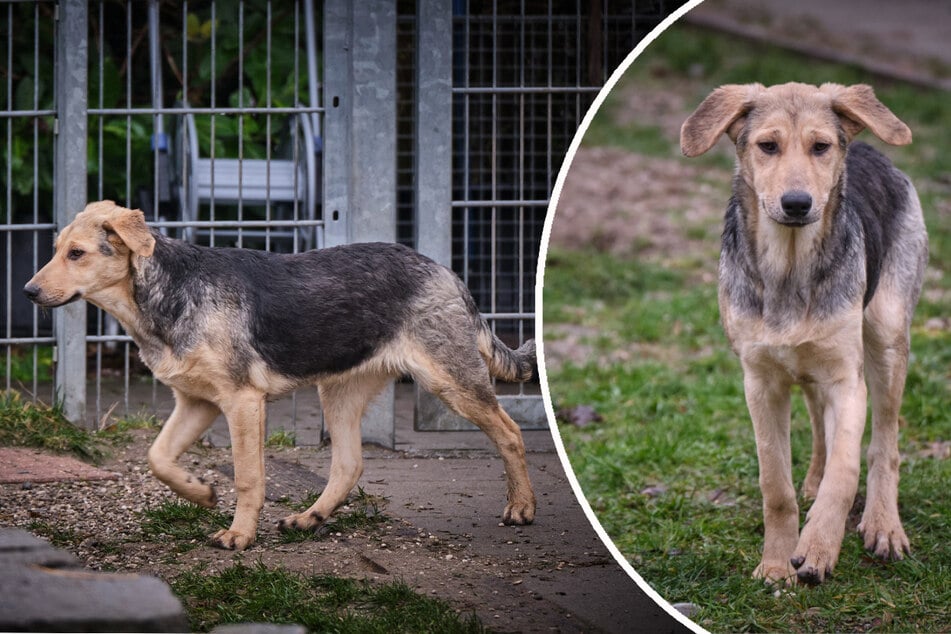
(227, 329)
(821, 264)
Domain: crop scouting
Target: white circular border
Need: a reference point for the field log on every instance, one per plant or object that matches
(539, 314)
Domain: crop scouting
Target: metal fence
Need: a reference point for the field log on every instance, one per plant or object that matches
(286, 126)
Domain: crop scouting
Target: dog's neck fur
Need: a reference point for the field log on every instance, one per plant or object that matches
(782, 274)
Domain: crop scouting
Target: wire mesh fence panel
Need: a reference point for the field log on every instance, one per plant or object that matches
(27, 128)
(523, 75)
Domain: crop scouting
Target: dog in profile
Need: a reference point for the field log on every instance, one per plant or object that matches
(822, 258)
(227, 329)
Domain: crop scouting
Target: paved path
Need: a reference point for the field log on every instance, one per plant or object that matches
(906, 39)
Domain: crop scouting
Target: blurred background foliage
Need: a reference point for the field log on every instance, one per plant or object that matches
(221, 54)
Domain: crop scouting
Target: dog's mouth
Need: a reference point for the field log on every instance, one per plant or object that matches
(797, 222)
(45, 302)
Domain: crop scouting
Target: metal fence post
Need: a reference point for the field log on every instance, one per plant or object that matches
(70, 193)
(433, 155)
(360, 145)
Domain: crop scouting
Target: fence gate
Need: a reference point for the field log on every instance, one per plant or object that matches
(286, 126)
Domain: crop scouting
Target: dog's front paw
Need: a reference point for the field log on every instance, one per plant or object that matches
(775, 572)
(884, 536)
(231, 539)
(519, 514)
(812, 569)
(309, 520)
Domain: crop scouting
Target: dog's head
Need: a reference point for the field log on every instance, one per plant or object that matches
(92, 253)
(791, 140)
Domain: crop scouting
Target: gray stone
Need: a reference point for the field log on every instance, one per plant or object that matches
(37, 596)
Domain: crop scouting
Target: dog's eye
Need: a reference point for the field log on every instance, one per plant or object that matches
(820, 148)
(769, 147)
(75, 254)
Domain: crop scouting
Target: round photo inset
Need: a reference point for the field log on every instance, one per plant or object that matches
(737, 278)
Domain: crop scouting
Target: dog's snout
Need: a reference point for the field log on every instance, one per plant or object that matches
(796, 203)
(32, 291)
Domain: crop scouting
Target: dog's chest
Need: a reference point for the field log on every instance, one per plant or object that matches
(806, 353)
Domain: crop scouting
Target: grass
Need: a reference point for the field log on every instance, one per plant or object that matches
(321, 603)
(361, 511)
(280, 438)
(27, 424)
(671, 470)
(183, 521)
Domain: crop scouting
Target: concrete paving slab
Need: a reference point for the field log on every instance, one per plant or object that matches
(41, 590)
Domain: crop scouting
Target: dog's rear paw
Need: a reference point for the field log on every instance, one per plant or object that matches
(519, 514)
(231, 540)
(309, 520)
(886, 539)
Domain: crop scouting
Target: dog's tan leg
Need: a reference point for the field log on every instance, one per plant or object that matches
(768, 401)
(467, 390)
(886, 362)
(190, 418)
(507, 436)
(246, 414)
(817, 462)
(343, 403)
(821, 540)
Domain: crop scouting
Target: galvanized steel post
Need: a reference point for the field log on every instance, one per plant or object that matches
(70, 193)
(433, 155)
(360, 145)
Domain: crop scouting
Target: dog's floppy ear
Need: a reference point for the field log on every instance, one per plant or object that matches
(715, 116)
(858, 108)
(129, 225)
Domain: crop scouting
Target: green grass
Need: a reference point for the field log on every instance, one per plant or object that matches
(361, 511)
(320, 603)
(182, 521)
(27, 424)
(671, 471)
(280, 438)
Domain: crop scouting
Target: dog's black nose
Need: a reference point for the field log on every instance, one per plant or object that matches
(31, 291)
(796, 203)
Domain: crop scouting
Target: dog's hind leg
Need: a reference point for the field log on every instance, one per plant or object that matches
(343, 402)
(886, 361)
(463, 383)
(246, 414)
(190, 418)
(817, 463)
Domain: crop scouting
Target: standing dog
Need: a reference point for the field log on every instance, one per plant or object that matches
(227, 329)
(821, 264)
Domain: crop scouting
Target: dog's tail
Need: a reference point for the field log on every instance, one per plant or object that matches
(505, 363)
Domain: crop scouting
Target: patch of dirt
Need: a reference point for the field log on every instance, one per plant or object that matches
(572, 343)
(642, 207)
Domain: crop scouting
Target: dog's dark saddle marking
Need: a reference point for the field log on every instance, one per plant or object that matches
(879, 193)
(311, 313)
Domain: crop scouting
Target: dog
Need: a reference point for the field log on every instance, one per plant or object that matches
(821, 265)
(228, 329)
